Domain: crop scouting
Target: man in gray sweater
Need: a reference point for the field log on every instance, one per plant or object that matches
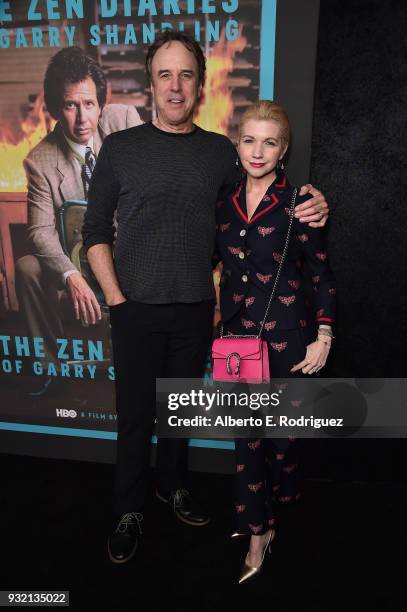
(164, 179)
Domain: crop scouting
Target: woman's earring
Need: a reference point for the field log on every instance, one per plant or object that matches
(280, 166)
(237, 161)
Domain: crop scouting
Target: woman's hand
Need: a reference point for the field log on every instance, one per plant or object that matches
(315, 358)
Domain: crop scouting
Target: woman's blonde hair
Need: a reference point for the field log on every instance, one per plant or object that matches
(266, 109)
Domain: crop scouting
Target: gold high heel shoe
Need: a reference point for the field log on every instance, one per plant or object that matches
(248, 571)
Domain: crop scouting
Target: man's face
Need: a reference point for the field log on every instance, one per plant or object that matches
(174, 84)
(80, 111)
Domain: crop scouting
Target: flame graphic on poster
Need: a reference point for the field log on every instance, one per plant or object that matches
(217, 109)
(15, 146)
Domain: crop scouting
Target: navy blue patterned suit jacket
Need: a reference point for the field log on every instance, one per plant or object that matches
(250, 251)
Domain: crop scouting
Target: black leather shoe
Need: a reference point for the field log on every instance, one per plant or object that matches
(122, 542)
(185, 507)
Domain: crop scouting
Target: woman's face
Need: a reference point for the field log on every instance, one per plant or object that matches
(260, 147)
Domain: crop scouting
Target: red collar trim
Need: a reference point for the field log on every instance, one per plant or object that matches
(236, 203)
(283, 183)
(257, 215)
(262, 212)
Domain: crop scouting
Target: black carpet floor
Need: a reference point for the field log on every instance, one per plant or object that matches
(342, 546)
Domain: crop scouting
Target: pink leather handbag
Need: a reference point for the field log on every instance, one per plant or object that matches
(243, 359)
(246, 358)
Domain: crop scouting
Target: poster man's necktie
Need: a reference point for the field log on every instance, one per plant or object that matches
(87, 169)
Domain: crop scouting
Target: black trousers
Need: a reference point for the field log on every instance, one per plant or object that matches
(152, 341)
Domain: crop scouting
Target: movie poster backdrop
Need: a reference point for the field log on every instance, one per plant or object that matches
(255, 49)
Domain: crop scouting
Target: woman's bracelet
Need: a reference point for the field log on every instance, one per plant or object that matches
(325, 332)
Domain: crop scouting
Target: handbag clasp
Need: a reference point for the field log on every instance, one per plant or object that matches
(229, 359)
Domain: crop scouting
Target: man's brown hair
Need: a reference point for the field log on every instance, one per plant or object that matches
(169, 36)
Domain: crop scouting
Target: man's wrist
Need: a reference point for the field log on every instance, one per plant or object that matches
(69, 273)
(114, 300)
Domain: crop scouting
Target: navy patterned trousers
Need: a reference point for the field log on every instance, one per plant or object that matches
(267, 469)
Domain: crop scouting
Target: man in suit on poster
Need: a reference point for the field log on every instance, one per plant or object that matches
(59, 169)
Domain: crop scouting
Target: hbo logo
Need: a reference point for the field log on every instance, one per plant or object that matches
(62, 412)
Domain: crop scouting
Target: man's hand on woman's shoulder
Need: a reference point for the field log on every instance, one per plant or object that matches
(314, 211)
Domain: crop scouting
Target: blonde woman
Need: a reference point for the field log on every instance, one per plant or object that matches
(252, 226)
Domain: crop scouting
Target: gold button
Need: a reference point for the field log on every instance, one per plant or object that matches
(245, 278)
(241, 255)
(243, 232)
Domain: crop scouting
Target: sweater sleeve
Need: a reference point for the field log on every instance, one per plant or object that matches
(313, 247)
(98, 227)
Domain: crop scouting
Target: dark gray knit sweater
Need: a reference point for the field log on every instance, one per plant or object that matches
(165, 187)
